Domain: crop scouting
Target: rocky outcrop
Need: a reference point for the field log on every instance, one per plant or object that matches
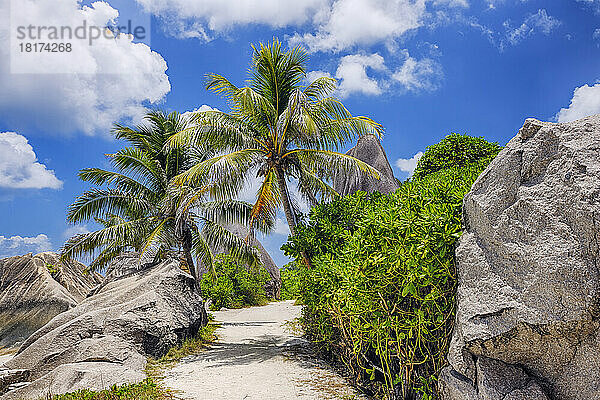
(10, 378)
(528, 318)
(33, 289)
(106, 339)
(369, 150)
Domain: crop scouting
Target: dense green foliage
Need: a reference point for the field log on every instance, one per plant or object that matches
(380, 296)
(146, 390)
(455, 151)
(236, 285)
(140, 208)
(278, 130)
(290, 282)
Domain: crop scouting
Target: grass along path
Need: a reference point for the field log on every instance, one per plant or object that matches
(257, 357)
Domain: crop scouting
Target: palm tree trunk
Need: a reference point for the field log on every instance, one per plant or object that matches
(186, 246)
(287, 208)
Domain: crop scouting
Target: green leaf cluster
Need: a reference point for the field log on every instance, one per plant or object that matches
(455, 150)
(290, 281)
(236, 285)
(146, 390)
(380, 296)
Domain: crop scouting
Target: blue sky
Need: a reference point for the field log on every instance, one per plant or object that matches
(422, 68)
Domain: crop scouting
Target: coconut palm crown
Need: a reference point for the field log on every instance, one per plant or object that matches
(140, 209)
(278, 129)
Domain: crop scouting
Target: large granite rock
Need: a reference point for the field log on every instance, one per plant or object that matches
(369, 150)
(106, 339)
(528, 270)
(33, 289)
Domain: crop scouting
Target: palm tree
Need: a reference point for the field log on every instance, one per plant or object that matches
(279, 130)
(141, 210)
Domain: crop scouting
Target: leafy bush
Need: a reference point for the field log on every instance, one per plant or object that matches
(236, 285)
(380, 296)
(455, 151)
(290, 282)
(146, 390)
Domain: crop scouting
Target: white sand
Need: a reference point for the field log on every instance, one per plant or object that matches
(257, 357)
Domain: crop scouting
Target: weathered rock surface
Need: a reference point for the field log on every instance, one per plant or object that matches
(273, 288)
(528, 262)
(33, 289)
(9, 377)
(106, 339)
(369, 150)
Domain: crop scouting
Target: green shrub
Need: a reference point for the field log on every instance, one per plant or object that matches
(380, 296)
(236, 285)
(146, 390)
(290, 282)
(455, 151)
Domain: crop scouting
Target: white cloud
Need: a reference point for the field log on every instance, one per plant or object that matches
(95, 85)
(352, 73)
(417, 75)
(202, 108)
(75, 230)
(585, 102)
(19, 168)
(203, 18)
(408, 165)
(314, 75)
(595, 3)
(281, 227)
(17, 245)
(596, 34)
(452, 3)
(348, 23)
(369, 75)
(534, 23)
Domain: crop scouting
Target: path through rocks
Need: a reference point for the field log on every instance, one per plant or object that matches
(259, 355)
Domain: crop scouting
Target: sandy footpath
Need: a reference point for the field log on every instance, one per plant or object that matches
(258, 357)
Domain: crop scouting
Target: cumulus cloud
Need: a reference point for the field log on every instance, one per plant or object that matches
(85, 90)
(352, 73)
(348, 23)
(418, 75)
(322, 25)
(408, 165)
(75, 230)
(540, 22)
(594, 3)
(17, 245)
(452, 3)
(585, 102)
(281, 227)
(202, 108)
(369, 75)
(19, 168)
(204, 18)
(314, 75)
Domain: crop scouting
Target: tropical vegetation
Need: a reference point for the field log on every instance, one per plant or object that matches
(281, 130)
(236, 285)
(455, 150)
(380, 296)
(140, 209)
